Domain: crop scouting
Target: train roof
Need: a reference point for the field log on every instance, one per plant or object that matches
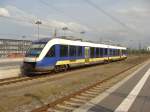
(54, 41)
(81, 43)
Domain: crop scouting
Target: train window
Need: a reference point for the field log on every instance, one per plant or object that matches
(114, 52)
(124, 52)
(110, 52)
(63, 50)
(117, 52)
(105, 51)
(72, 50)
(97, 52)
(79, 51)
(51, 52)
(92, 52)
(101, 52)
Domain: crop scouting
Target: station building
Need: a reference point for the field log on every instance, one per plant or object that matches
(11, 47)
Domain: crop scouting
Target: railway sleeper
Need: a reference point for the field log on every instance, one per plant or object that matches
(88, 95)
(73, 103)
(79, 100)
(54, 110)
(83, 97)
(91, 92)
(97, 88)
(65, 107)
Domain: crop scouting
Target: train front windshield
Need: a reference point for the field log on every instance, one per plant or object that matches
(35, 50)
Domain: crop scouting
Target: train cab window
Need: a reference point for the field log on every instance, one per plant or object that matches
(79, 51)
(97, 52)
(101, 50)
(92, 52)
(51, 52)
(72, 50)
(63, 50)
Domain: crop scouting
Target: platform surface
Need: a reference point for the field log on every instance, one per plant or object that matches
(132, 94)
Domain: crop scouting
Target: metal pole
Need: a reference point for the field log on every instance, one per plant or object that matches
(64, 33)
(23, 49)
(55, 33)
(38, 23)
(38, 31)
(64, 29)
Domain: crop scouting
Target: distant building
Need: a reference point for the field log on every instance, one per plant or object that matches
(148, 48)
(10, 47)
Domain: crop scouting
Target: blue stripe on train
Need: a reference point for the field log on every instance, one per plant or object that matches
(51, 61)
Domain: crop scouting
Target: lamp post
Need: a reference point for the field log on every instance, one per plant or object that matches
(82, 32)
(23, 44)
(38, 24)
(55, 33)
(64, 29)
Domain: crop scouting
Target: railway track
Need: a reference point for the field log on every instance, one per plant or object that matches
(75, 100)
(14, 80)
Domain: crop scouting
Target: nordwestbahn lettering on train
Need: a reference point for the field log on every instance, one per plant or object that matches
(61, 53)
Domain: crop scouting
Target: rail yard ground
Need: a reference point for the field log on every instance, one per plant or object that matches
(27, 95)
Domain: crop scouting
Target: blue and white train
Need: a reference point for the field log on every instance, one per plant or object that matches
(59, 54)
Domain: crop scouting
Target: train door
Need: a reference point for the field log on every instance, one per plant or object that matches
(87, 54)
(120, 53)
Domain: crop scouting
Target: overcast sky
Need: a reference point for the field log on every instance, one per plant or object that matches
(118, 21)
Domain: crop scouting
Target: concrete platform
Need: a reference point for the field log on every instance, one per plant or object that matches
(3, 60)
(10, 67)
(130, 95)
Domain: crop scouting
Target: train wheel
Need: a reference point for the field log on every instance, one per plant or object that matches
(64, 67)
(106, 61)
(57, 69)
(68, 67)
(60, 68)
